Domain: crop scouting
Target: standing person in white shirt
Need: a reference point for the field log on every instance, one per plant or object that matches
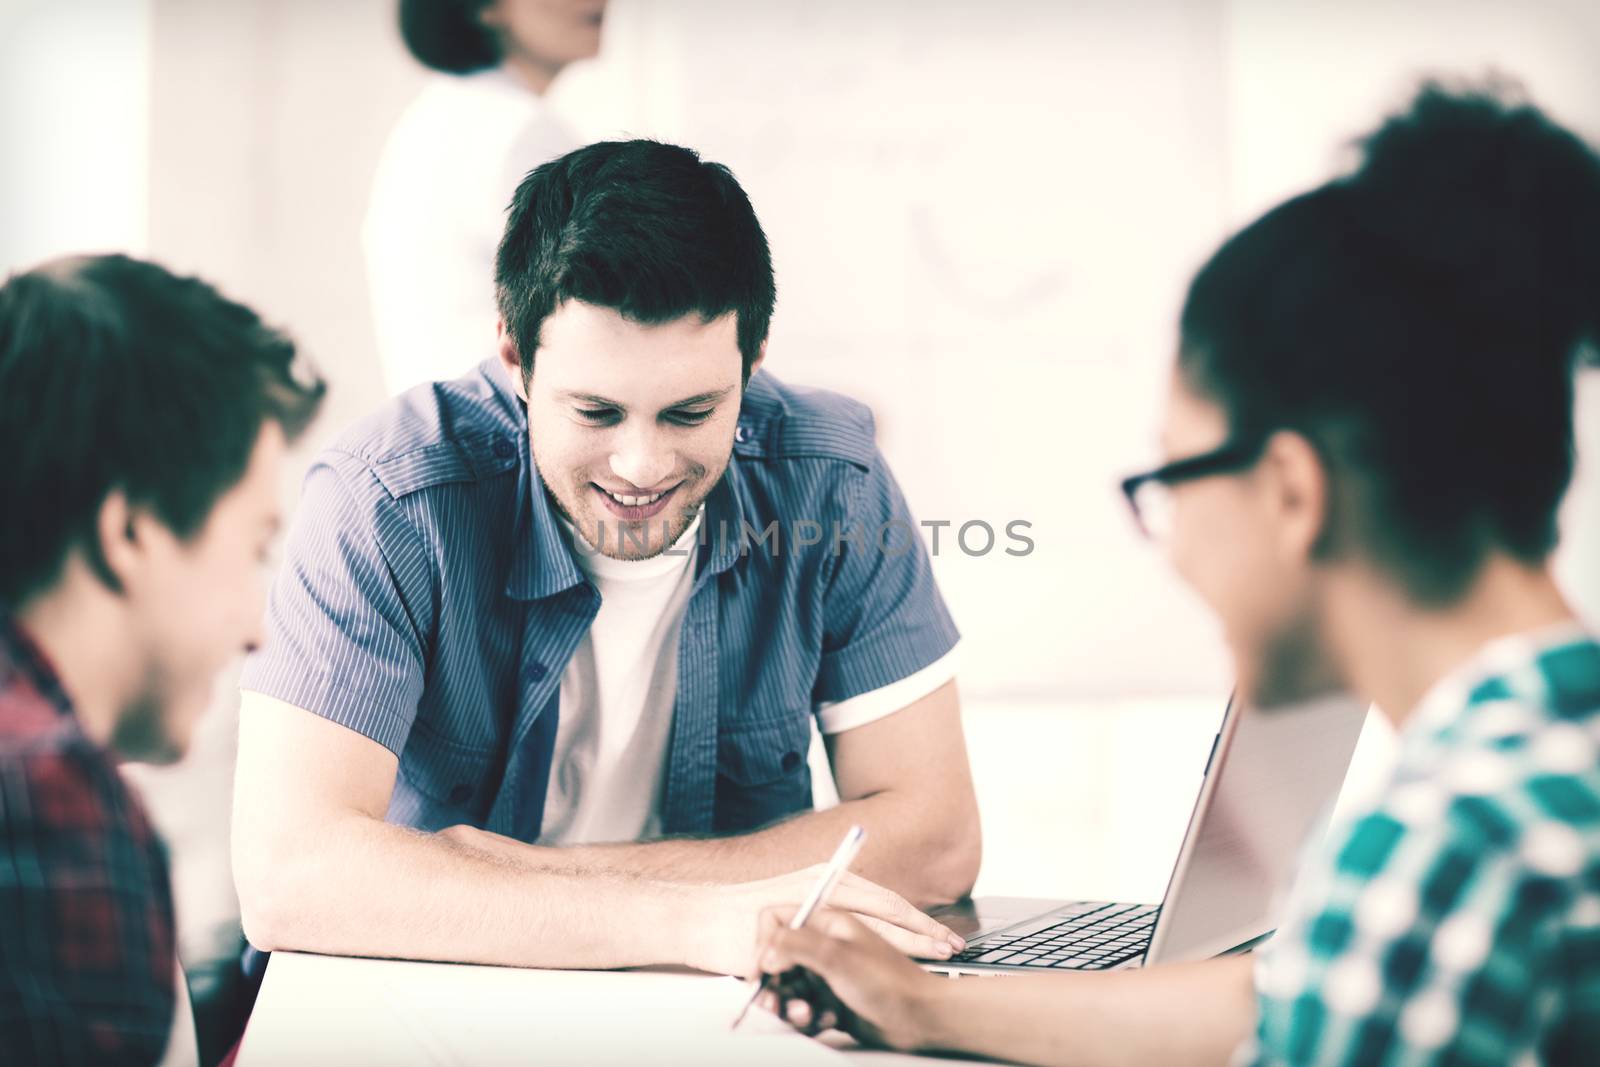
(450, 166)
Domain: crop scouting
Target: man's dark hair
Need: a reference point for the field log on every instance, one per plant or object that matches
(1420, 321)
(647, 229)
(117, 375)
(448, 36)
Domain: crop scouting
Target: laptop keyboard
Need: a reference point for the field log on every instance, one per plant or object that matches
(1102, 936)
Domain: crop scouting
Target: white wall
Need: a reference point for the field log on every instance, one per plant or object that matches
(73, 128)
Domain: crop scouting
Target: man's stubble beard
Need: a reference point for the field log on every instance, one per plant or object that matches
(610, 529)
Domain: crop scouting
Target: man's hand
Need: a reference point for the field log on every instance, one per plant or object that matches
(836, 973)
(728, 919)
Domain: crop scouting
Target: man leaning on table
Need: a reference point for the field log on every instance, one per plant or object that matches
(533, 695)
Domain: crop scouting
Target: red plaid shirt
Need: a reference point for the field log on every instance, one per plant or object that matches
(86, 928)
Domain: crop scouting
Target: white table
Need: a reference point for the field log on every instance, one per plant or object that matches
(353, 1012)
(1087, 802)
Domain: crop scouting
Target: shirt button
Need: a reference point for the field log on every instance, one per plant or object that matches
(504, 449)
(536, 672)
(461, 794)
(791, 761)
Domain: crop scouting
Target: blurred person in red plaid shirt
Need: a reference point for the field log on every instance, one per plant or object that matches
(143, 418)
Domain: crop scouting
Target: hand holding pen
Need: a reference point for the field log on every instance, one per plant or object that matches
(843, 856)
(823, 969)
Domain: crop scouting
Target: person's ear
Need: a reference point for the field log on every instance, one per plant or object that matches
(115, 554)
(1297, 493)
(511, 359)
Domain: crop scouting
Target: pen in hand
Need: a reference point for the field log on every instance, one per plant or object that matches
(842, 857)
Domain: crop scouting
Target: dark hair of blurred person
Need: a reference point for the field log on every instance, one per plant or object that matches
(1425, 352)
(143, 417)
(692, 245)
(540, 37)
(1428, 349)
(447, 36)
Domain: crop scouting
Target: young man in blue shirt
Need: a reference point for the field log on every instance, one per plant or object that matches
(551, 638)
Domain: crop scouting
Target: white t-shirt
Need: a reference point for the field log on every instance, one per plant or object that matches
(618, 691)
(616, 698)
(437, 210)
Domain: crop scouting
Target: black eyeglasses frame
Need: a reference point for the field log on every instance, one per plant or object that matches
(1230, 457)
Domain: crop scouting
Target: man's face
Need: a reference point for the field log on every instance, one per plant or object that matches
(631, 425)
(198, 603)
(1243, 542)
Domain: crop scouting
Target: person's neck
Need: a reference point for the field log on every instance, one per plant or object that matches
(533, 74)
(80, 627)
(1393, 651)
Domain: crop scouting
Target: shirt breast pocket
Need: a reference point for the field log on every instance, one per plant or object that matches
(762, 773)
(442, 782)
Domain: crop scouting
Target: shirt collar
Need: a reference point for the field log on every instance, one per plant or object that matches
(724, 522)
(542, 563)
(19, 654)
(1511, 660)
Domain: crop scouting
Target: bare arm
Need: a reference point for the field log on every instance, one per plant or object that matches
(317, 868)
(1193, 1013)
(1190, 1013)
(904, 778)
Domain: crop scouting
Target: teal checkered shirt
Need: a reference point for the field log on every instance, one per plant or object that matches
(1457, 920)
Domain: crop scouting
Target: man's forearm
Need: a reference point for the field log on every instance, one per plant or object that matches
(1192, 1013)
(926, 860)
(361, 887)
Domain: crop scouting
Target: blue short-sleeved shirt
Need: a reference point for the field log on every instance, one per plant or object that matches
(430, 601)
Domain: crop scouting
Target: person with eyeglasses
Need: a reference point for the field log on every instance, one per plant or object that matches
(1371, 430)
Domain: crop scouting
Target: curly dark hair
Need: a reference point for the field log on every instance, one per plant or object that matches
(1420, 321)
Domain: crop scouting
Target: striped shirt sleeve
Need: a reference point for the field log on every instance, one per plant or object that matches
(884, 618)
(350, 608)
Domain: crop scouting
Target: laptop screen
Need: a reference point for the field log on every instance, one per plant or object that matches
(1272, 781)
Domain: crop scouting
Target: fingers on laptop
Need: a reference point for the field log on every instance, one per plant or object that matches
(893, 918)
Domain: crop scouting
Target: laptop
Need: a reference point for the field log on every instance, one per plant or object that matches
(1269, 785)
